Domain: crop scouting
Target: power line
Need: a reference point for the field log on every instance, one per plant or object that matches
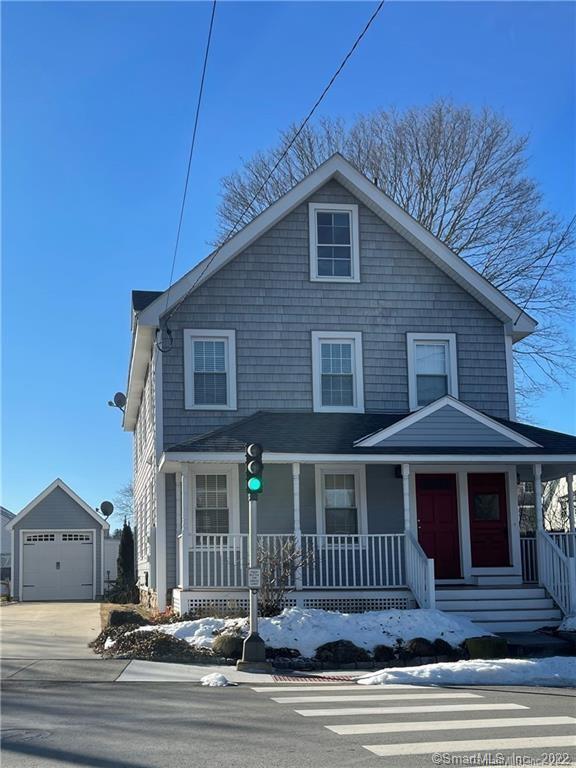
(282, 156)
(191, 153)
(559, 245)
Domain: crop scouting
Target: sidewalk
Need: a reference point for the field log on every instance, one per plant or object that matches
(158, 672)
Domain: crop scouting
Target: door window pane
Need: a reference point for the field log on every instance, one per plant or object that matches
(337, 377)
(431, 362)
(486, 506)
(340, 510)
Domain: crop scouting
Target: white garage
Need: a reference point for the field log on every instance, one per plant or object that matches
(58, 547)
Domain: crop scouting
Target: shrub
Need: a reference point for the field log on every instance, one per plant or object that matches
(442, 648)
(419, 646)
(383, 653)
(341, 652)
(486, 647)
(282, 653)
(156, 646)
(117, 618)
(228, 645)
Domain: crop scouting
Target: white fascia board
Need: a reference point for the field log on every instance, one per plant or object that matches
(141, 355)
(171, 462)
(339, 168)
(376, 438)
(58, 483)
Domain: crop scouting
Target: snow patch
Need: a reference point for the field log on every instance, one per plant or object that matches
(569, 624)
(558, 671)
(306, 629)
(216, 680)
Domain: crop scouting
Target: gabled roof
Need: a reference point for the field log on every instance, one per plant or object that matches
(379, 437)
(6, 514)
(58, 483)
(336, 167)
(303, 432)
(141, 299)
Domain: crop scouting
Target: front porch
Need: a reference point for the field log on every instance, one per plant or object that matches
(370, 569)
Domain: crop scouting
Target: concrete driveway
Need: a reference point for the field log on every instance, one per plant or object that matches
(48, 630)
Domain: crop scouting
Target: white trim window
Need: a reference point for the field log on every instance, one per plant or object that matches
(338, 382)
(334, 242)
(341, 500)
(432, 368)
(215, 502)
(209, 370)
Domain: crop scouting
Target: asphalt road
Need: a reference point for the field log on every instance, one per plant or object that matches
(169, 725)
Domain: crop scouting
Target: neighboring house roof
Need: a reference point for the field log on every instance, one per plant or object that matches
(58, 483)
(6, 514)
(337, 433)
(336, 167)
(142, 299)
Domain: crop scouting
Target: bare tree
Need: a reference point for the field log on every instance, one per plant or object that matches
(463, 175)
(278, 562)
(124, 502)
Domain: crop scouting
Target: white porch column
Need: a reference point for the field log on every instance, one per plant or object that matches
(185, 506)
(406, 496)
(571, 521)
(297, 526)
(161, 540)
(538, 497)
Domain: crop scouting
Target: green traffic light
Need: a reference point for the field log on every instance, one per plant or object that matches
(254, 484)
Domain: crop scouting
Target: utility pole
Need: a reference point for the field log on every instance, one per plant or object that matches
(254, 650)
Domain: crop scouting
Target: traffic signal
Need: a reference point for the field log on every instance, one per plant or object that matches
(254, 468)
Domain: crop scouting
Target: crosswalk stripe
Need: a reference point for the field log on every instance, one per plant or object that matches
(377, 697)
(405, 710)
(481, 745)
(330, 687)
(448, 725)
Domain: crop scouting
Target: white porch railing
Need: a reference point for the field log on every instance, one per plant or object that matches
(325, 561)
(557, 572)
(566, 542)
(529, 554)
(419, 573)
(347, 562)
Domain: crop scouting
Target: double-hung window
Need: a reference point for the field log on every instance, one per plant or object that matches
(334, 242)
(341, 500)
(337, 371)
(432, 368)
(215, 501)
(209, 370)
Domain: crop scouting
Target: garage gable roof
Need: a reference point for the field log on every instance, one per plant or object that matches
(58, 483)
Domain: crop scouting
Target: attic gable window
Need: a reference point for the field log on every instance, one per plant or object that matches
(334, 243)
(209, 370)
(432, 368)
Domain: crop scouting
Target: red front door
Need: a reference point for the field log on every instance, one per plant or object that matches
(438, 533)
(488, 520)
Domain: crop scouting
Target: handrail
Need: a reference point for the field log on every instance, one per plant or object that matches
(557, 572)
(419, 572)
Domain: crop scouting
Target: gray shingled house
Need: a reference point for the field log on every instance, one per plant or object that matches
(375, 368)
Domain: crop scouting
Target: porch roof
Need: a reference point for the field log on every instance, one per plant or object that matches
(335, 433)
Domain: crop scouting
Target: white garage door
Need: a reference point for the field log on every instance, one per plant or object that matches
(57, 565)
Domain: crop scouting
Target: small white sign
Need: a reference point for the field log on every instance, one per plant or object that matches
(254, 578)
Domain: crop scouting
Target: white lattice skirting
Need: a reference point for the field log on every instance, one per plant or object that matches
(219, 603)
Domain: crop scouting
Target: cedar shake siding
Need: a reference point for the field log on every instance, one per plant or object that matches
(266, 296)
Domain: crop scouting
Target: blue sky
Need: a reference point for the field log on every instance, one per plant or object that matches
(98, 103)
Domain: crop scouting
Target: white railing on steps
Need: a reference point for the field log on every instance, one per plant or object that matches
(419, 572)
(528, 551)
(557, 572)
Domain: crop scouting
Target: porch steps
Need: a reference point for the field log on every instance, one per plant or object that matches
(501, 608)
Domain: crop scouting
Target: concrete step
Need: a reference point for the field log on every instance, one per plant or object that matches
(489, 593)
(552, 614)
(512, 604)
(536, 644)
(516, 626)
